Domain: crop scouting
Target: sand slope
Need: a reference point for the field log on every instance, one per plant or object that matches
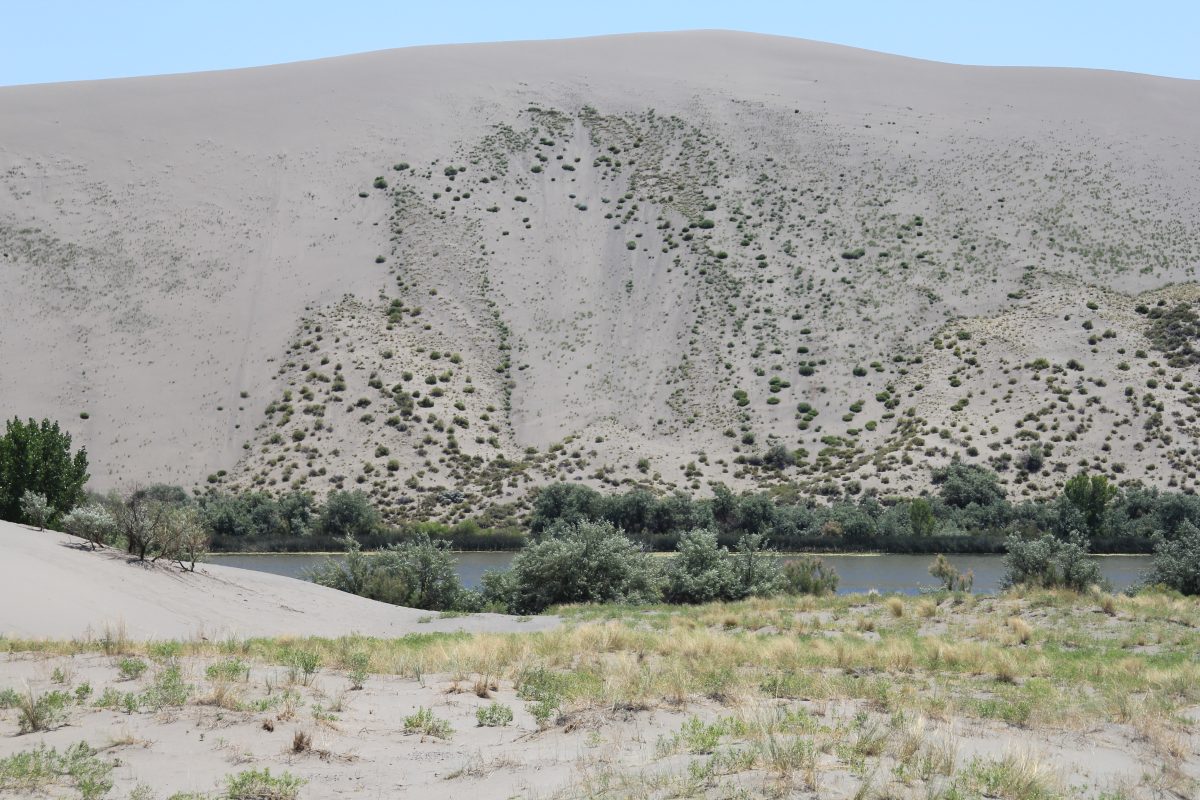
(51, 586)
(161, 239)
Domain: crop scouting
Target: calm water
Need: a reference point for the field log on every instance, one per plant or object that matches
(907, 574)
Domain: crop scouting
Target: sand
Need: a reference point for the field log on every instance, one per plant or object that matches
(162, 238)
(52, 586)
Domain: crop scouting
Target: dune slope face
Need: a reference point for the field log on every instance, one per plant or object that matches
(444, 275)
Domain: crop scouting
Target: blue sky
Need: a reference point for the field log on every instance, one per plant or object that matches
(50, 40)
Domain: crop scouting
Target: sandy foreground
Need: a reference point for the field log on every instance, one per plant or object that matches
(1025, 697)
(52, 586)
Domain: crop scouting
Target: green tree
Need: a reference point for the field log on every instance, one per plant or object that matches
(1176, 562)
(1091, 495)
(920, 516)
(349, 514)
(702, 572)
(37, 457)
(963, 484)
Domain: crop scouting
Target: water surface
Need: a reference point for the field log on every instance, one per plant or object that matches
(906, 574)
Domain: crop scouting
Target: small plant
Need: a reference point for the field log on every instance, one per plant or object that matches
(256, 784)
(78, 767)
(358, 664)
(493, 715)
(229, 670)
(168, 689)
(952, 580)
(42, 712)
(303, 665)
(9, 698)
(130, 669)
(426, 724)
(35, 509)
(809, 575)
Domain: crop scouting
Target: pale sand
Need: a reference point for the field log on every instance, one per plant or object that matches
(161, 237)
(52, 586)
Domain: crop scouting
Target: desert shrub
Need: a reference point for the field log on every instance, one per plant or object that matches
(494, 715)
(167, 690)
(952, 580)
(35, 509)
(1176, 563)
(31, 772)
(702, 572)
(91, 522)
(256, 784)
(809, 575)
(357, 667)
(302, 665)
(37, 457)
(1051, 563)
(130, 669)
(416, 573)
(348, 514)
(424, 722)
(961, 485)
(43, 712)
(584, 562)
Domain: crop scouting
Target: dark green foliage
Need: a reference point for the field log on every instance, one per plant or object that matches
(920, 517)
(584, 562)
(1176, 562)
(1051, 563)
(1091, 496)
(349, 514)
(960, 485)
(37, 457)
(1176, 332)
(258, 514)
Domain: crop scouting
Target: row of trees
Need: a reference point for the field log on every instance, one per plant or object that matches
(967, 512)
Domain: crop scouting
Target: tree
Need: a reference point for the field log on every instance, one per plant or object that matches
(349, 514)
(809, 575)
(92, 523)
(1176, 563)
(142, 523)
(1091, 495)
(185, 540)
(952, 580)
(37, 457)
(920, 516)
(35, 509)
(964, 484)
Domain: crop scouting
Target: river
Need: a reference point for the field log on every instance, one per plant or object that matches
(905, 574)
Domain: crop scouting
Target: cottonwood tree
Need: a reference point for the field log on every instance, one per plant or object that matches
(37, 457)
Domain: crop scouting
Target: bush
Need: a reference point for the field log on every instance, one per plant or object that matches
(262, 785)
(32, 772)
(418, 573)
(37, 457)
(495, 715)
(702, 572)
(42, 712)
(952, 580)
(809, 575)
(349, 514)
(426, 724)
(584, 562)
(35, 509)
(92, 523)
(965, 484)
(1176, 563)
(1051, 563)
(168, 689)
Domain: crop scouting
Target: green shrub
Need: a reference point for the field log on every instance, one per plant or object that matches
(92, 523)
(494, 715)
(303, 665)
(35, 509)
(417, 573)
(1051, 563)
(1176, 563)
(131, 668)
(952, 580)
(168, 689)
(33, 772)
(262, 785)
(426, 724)
(702, 572)
(42, 712)
(809, 575)
(357, 665)
(584, 562)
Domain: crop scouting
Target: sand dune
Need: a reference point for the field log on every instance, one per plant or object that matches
(52, 586)
(176, 254)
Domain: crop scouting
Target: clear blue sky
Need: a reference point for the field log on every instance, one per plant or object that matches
(51, 40)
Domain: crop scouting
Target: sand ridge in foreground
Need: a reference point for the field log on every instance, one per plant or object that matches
(52, 586)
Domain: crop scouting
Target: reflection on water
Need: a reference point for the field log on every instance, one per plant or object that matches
(907, 574)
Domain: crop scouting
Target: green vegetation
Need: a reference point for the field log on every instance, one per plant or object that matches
(37, 458)
(36, 771)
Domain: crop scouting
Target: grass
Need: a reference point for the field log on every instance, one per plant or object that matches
(790, 687)
(38, 770)
(262, 785)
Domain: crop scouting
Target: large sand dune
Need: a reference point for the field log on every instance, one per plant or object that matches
(161, 240)
(52, 586)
